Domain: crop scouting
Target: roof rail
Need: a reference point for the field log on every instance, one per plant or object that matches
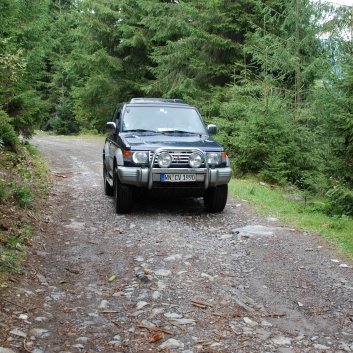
(154, 100)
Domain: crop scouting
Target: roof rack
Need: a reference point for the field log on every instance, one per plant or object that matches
(155, 100)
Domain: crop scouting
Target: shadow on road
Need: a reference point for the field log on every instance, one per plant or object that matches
(148, 204)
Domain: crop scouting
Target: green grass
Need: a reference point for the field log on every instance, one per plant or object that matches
(23, 196)
(85, 136)
(271, 202)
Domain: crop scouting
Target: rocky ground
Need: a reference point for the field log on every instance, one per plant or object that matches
(169, 277)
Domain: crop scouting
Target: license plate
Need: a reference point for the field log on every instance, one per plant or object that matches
(177, 178)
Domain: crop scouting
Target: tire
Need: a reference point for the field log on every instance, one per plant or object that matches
(108, 189)
(215, 199)
(123, 196)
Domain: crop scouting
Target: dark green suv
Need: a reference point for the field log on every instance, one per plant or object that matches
(163, 146)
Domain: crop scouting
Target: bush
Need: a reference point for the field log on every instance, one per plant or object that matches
(8, 136)
(340, 201)
(23, 196)
(268, 140)
(4, 193)
(29, 110)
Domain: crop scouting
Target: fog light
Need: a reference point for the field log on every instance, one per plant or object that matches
(164, 160)
(195, 160)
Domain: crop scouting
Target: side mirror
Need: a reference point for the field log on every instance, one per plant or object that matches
(212, 129)
(110, 128)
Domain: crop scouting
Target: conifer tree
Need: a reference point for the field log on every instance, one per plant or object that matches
(60, 81)
(269, 125)
(22, 50)
(333, 96)
(94, 63)
(199, 52)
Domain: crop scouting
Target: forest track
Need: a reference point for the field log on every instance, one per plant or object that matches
(194, 282)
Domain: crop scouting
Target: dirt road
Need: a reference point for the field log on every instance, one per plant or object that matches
(170, 273)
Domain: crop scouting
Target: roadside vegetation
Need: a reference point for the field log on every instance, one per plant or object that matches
(23, 187)
(294, 207)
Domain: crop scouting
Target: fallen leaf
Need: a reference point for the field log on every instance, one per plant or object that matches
(156, 337)
(276, 314)
(76, 272)
(112, 278)
(200, 302)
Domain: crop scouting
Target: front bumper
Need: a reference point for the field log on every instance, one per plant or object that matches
(145, 177)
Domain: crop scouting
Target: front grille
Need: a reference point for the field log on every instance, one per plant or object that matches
(180, 158)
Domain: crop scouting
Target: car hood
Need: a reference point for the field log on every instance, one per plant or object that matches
(153, 141)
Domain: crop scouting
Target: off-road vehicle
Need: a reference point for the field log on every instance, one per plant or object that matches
(163, 146)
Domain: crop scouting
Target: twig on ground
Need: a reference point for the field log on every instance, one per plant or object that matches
(276, 315)
(13, 303)
(152, 328)
(200, 302)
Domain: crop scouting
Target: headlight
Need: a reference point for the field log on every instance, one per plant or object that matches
(164, 160)
(214, 158)
(140, 157)
(195, 160)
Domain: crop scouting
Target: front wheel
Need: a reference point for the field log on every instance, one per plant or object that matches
(123, 196)
(215, 199)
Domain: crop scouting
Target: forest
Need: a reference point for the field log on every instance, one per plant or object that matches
(275, 76)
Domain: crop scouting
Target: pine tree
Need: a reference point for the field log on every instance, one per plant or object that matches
(269, 125)
(196, 60)
(333, 97)
(94, 63)
(23, 31)
(60, 80)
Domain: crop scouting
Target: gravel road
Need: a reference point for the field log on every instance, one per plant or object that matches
(169, 277)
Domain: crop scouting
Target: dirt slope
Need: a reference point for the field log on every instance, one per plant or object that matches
(191, 281)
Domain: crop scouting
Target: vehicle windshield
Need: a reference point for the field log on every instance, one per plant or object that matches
(163, 119)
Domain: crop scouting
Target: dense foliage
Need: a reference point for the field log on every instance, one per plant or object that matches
(275, 76)
(23, 187)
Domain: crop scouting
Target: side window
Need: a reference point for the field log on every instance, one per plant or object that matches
(116, 116)
(113, 117)
(117, 119)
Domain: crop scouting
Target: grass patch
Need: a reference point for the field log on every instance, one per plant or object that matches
(23, 187)
(84, 136)
(296, 209)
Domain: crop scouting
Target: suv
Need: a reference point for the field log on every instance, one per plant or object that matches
(163, 146)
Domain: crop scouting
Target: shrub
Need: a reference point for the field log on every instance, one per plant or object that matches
(23, 196)
(8, 136)
(4, 193)
(340, 201)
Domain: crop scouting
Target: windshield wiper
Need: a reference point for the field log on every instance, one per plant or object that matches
(141, 130)
(181, 132)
